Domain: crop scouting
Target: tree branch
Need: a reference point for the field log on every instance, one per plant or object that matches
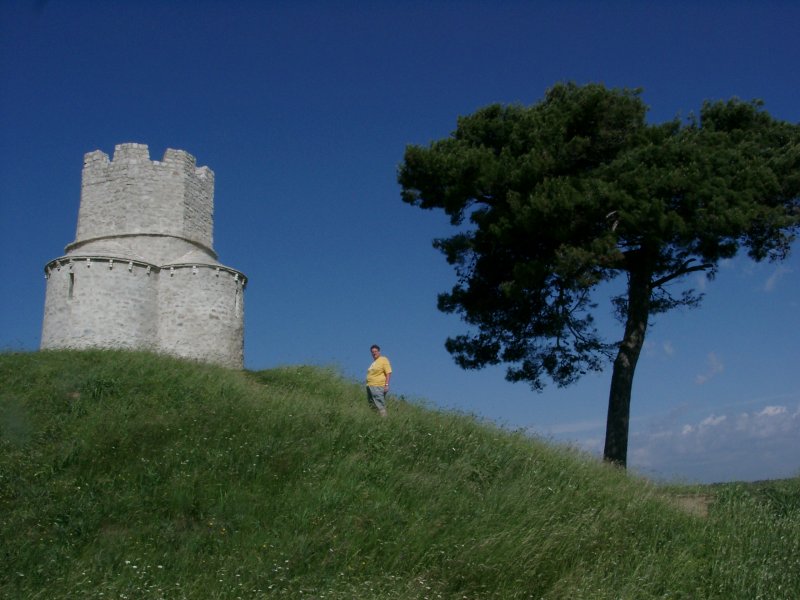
(685, 268)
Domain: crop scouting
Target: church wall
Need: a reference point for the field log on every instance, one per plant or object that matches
(88, 304)
(142, 272)
(201, 314)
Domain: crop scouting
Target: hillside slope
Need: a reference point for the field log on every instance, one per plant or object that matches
(129, 475)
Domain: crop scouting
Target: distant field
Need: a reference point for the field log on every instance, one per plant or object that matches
(130, 475)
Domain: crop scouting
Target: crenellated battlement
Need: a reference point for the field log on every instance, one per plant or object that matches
(133, 195)
(140, 153)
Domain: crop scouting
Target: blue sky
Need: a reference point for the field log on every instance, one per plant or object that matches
(303, 110)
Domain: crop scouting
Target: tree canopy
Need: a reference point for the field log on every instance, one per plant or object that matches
(556, 198)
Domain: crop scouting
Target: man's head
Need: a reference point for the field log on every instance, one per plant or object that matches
(375, 350)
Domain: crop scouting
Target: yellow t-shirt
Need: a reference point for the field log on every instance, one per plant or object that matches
(378, 370)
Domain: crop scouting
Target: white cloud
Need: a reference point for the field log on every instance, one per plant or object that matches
(714, 368)
(773, 279)
(701, 282)
(760, 444)
(772, 411)
(593, 445)
(655, 349)
(749, 440)
(713, 420)
(561, 429)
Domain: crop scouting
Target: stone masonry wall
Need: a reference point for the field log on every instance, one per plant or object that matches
(134, 195)
(142, 272)
(88, 304)
(155, 249)
(201, 314)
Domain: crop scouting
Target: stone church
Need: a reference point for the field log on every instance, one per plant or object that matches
(142, 272)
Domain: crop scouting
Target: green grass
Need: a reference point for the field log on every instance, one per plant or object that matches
(129, 475)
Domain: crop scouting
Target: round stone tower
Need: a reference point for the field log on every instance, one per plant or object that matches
(142, 272)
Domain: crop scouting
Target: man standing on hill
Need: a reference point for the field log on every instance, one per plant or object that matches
(378, 375)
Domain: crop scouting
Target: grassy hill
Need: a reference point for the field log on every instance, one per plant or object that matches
(129, 475)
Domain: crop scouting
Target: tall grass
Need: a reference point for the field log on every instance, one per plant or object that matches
(128, 475)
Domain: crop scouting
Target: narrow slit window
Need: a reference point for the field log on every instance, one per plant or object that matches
(71, 285)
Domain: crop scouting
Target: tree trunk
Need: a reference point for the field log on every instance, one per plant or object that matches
(619, 398)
